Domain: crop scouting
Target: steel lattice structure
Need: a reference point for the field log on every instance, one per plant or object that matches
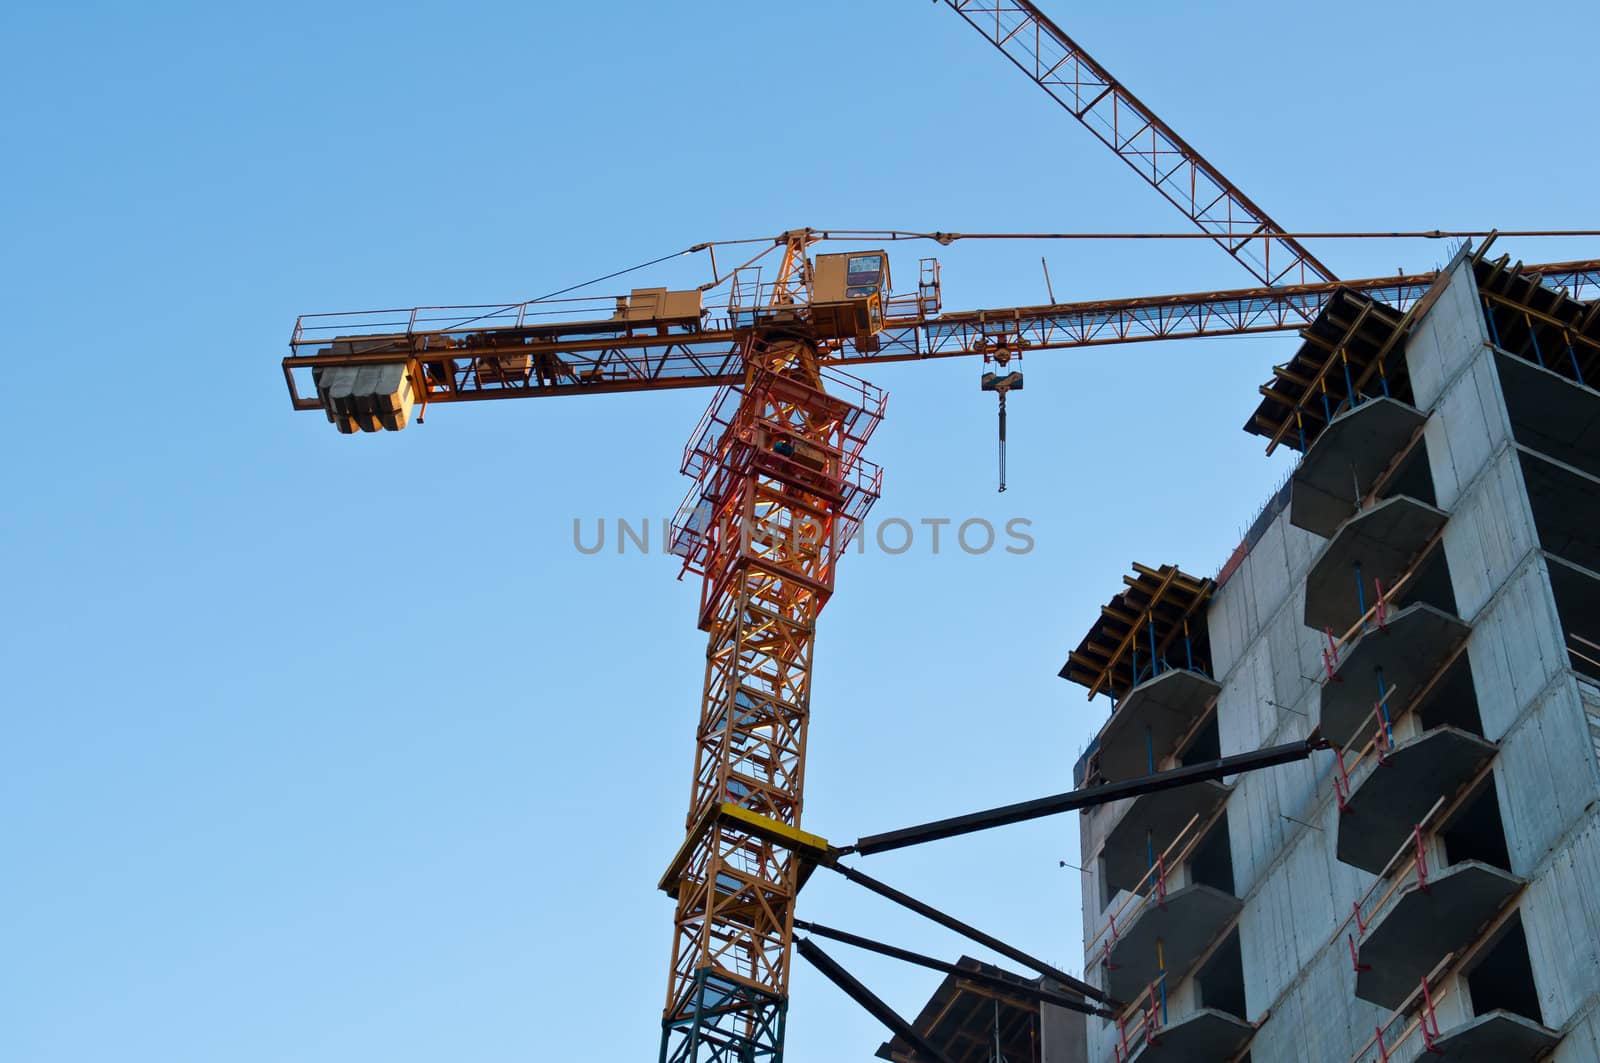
(781, 483)
(458, 353)
(780, 487)
(1152, 148)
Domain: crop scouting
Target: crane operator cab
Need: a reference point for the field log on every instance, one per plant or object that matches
(847, 296)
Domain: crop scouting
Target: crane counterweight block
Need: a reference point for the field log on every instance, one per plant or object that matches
(365, 398)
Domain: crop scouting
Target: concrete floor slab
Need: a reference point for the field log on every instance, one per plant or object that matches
(1346, 459)
(1498, 1037)
(1164, 708)
(1382, 541)
(1207, 1034)
(1388, 799)
(1410, 648)
(1149, 825)
(1416, 929)
(1189, 921)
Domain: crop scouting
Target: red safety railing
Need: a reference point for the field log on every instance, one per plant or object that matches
(1377, 614)
(1141, 1023)
(1397, 873)
(1377, 747)
(1151, 887)
(1422, 1001)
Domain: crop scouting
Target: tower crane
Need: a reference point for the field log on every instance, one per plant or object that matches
(780, 477)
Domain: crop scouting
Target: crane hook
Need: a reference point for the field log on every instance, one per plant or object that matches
(1002, 443)
(1001, 384)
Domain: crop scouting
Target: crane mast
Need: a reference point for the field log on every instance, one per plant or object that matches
(780, 487)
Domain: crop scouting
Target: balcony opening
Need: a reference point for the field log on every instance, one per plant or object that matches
(1211, 863)
(1577, 595)
(1476, 831)
(1453, 702)
(1502, 977)
(1107, 890)
(1429, 584)
(1221, 978)
(1566, 508)
(1551, 416)
(1413, 477)
(1205, 747)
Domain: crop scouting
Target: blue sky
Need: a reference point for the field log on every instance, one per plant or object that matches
(317, 748)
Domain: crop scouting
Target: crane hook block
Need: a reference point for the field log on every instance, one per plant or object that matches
(1001, 382)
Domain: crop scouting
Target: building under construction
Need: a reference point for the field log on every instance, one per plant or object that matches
(1424, 595)
(1406, 642)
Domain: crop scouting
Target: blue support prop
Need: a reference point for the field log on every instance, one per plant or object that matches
(1534, 336)
(1383, 709)
(1154, 665)
(1361, 597)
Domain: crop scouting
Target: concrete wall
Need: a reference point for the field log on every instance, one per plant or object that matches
(1062, 1038)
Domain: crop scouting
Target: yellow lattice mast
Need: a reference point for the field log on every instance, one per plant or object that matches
(781, 486)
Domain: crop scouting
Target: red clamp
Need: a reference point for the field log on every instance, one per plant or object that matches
(1341, 783)
(1429, 1022)
(1354, 962)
